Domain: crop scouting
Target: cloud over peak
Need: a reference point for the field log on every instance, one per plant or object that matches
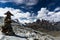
(18, 14)
(44, 13)
(49, 15)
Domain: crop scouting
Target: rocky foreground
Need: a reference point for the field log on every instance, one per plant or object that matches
(26, 34)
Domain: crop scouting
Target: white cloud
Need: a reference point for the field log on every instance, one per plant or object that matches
(58, 8)
(51, 15)
(18, 14)
(31, 2)
(18, 1)
(42, 14)
(4, 10)
(55, 17)
(4, 1)
(26, 2)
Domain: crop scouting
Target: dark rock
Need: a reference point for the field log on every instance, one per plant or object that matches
(7, 28)
(36, 39)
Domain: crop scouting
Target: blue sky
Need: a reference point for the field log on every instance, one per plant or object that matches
(34, 7)
(49, 4)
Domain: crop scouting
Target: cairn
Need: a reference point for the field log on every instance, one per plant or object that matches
(7, 28)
